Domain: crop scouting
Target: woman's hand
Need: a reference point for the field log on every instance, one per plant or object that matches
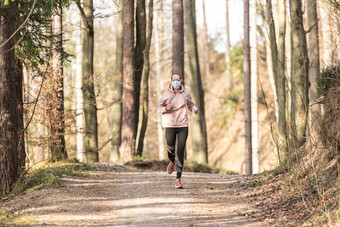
(195, 110)
(168, 107)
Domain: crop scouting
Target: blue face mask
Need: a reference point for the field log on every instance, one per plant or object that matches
(176, 84)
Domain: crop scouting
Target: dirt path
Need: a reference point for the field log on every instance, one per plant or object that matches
(122, 197)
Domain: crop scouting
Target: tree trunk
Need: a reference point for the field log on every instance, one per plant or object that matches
(9, 162)
(117, 87)
(90, 106)
(227, 51)
(198, 134)
(314, 67)
(269, 60)
(288, 54)
(145, 83)
(20, 113)
(253, 88)
(58, 150)
(206, 48)
(159, 44)
(278, 63)
(246, 75)
(128, 133)
(79, 93)
(177, 38)
(299, 76)
(326, 34)
(139, 49)
(281, 76)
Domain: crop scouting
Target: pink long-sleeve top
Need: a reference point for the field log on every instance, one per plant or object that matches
(177, 117)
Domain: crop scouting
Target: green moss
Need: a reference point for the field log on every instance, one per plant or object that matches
(47, 176)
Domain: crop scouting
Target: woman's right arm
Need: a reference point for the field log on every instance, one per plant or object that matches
(161, 107)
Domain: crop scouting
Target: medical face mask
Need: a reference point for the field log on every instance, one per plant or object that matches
(176, 84)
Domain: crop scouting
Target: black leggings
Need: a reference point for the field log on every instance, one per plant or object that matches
(170, 135)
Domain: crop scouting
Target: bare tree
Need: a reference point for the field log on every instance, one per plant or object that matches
(177, 38)
(9, 162)
(253, 87)
(139, 49)
(159, 44)
(199, 134)
(145, 83)
(58, 149)
(79, 93)
(326, 34)
(281, 76)
(246, 75)
(20, 113)
(90, 105)
(117, 86)
(206, 47)
(299, 75)
(227, 47)
(314, 65)
(128, 133)
(277, 52)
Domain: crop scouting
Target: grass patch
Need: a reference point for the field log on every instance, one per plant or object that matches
(7, 219)
(47, 176)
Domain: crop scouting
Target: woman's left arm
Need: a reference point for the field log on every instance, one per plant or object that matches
(191, 105)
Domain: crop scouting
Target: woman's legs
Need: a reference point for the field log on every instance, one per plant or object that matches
(170, 136)
(182, 138)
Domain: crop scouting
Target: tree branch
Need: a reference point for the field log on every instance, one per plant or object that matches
(29, 14)
(83, 15)
(310, 29)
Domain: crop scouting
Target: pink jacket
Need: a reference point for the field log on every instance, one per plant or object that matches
(177, 116)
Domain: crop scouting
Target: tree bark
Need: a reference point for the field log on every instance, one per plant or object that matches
(246, 75)
(227, 51)
(159, 45)
(20, 113)
(58, 149)
(199, 134)
(206, 48)
(281, 76)
(278, 63)
(299, 76)
(288, 54)
(117, 87)
(253, 88)
(326, 35)
(314, 67)
(177, 38)
(128, 133)
(139, 49)
(79, 93)
(145, 83)
(90, 106)
(9, 162)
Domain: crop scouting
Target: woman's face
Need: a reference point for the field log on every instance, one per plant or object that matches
(176, 77)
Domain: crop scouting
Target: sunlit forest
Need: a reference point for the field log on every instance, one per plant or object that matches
(81, 81)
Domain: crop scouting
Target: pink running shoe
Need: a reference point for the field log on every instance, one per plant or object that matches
(179, 184)
(171, 167)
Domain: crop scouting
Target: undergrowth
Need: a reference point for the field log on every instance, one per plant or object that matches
(47, 176)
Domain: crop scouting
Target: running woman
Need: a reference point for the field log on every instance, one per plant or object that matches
(172, 105)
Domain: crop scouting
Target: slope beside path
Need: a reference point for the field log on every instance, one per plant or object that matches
(116, 196)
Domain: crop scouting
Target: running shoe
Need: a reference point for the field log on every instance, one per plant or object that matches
(171, 167)
(179, 184)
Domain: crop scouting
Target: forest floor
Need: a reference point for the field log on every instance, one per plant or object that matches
(112, 195)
